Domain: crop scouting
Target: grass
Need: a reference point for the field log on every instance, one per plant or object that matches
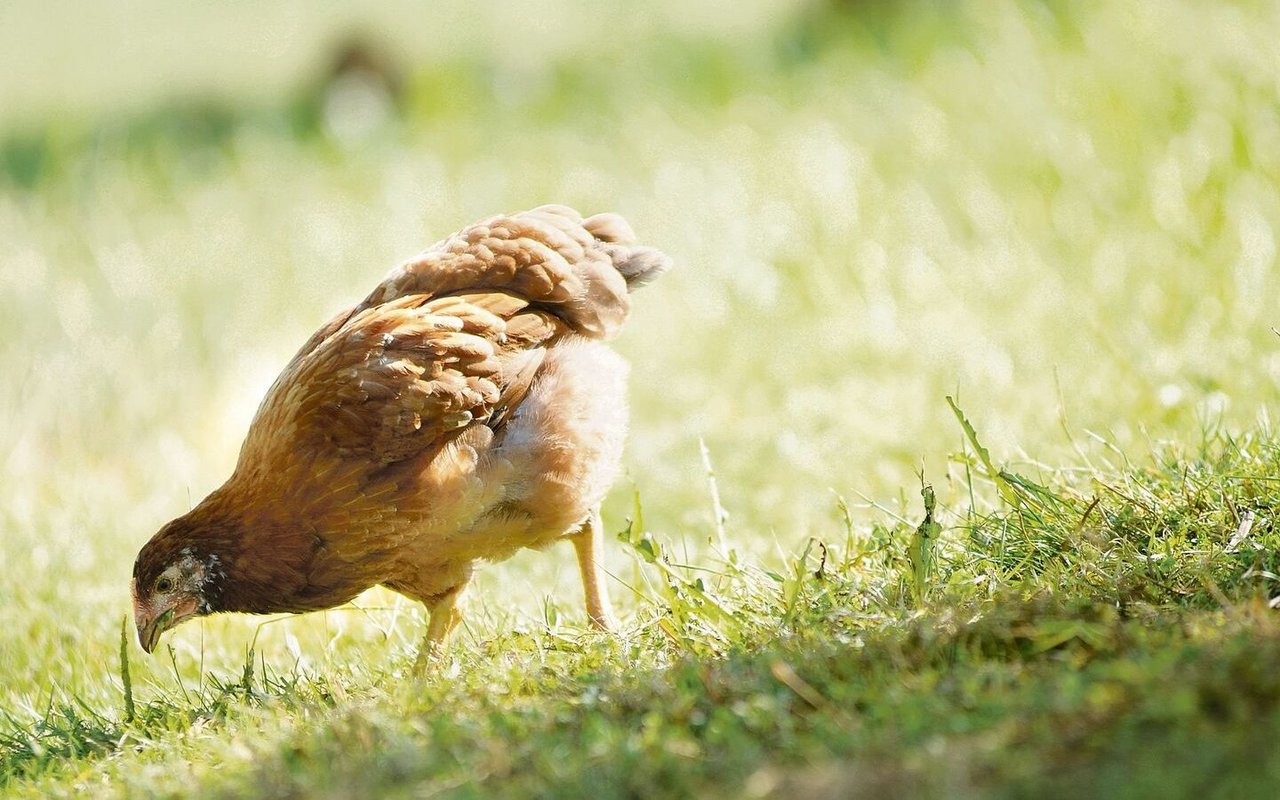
(1133, 660)
(951, 473)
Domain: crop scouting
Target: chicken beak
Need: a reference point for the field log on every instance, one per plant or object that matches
(150, 627)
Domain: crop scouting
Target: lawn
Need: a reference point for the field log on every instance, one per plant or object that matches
(1020, 253)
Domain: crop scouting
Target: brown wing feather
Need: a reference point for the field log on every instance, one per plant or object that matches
(549, 256)
(579, 270)
(385, 385)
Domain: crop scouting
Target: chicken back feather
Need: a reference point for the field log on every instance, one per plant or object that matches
(465, 409)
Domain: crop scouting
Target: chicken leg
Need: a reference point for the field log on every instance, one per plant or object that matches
(585, 543)
(445, 616)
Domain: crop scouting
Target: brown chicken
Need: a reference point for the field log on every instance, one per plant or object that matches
(464, 410)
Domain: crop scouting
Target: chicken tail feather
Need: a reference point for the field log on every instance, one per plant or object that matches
(639, 265)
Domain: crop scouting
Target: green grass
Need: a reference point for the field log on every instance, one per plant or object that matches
(1060, 216)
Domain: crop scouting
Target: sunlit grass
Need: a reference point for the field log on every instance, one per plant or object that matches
(1061, 216)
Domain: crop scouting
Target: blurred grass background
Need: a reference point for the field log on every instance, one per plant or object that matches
(1063, 212)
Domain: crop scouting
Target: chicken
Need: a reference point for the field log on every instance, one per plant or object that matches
(464, 410)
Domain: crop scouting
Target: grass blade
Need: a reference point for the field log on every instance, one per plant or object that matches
(922, 541)
(996, 475)
(125, 678)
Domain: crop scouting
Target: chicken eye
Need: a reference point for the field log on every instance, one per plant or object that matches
(163, 585)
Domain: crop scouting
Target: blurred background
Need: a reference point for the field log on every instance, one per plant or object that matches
(1063, 213)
